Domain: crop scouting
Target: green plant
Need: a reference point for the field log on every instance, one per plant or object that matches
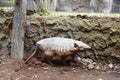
(11, 1)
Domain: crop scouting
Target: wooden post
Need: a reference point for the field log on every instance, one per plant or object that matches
(17, 42)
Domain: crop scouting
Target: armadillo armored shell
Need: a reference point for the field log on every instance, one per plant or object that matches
(60, 44)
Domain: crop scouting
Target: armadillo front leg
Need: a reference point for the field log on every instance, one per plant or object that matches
(78, 60)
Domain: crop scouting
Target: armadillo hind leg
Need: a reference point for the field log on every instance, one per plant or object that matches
(47, 59)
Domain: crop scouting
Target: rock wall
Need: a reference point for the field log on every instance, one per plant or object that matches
(5, 28)
(102, 34)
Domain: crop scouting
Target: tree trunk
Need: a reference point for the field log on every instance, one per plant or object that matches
(46, 4)
(32, 5)
(53, 5)
(64, 6)
(17, 43)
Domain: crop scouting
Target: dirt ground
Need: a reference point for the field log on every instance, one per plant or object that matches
(12, 69)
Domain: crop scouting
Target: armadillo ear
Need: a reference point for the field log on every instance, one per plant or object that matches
(75, 45)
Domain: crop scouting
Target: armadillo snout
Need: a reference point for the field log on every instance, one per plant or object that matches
(82, 46)
(87, 47)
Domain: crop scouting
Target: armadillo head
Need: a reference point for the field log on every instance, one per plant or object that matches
(79, 45)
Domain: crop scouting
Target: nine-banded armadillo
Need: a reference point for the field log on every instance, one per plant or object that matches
(62, 46)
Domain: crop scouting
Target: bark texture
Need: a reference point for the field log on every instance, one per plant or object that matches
(17, 42)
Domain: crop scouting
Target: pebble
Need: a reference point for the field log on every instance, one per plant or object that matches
(36, 76)
(73, 68)
(97, 67)
(29, 68)
(45, 68)
(2, 62)
(78, 58)
(90, 66)
(111, 66)
(87, 60)
(38, 62)
(100, 79)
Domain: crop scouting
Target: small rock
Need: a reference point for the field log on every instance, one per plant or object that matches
(29, 68)
(45, 68)
(73, 68)
(90, 66)
(36, 76)
(100, 79)
(3, 63)
(116, 67)
(78, 58)
(87, 60)
(111, 66)
(97, 67)
(94, 63)
(38, 62)
(17, 69)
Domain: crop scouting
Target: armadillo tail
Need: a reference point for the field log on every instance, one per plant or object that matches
(31, 54)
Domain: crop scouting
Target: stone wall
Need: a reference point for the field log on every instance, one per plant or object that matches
(102, 34)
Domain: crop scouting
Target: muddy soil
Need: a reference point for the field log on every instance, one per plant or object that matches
(12, 69)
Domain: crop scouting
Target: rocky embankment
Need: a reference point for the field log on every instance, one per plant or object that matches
(102, 34)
